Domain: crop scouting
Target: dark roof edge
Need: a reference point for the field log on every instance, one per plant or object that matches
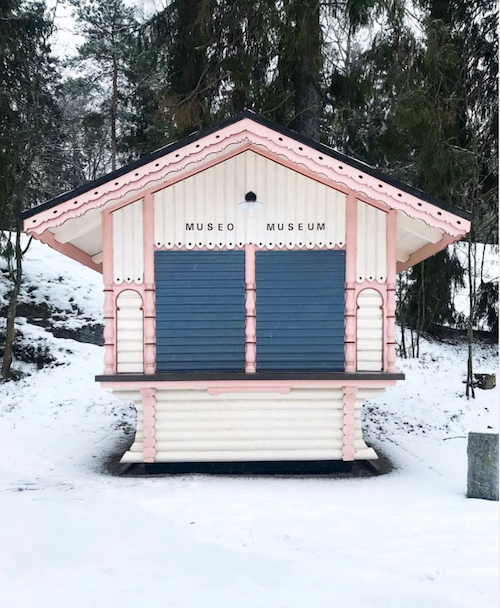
(255, 377)
(176, 145)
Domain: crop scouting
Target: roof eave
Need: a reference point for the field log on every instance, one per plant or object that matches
(246, 114)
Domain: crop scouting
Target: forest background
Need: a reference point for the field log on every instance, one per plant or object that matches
(408, 86)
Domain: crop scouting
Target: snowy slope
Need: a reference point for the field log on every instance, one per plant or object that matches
(73, 535)
(51, 278)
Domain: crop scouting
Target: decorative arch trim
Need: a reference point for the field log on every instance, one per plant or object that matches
(370, 330)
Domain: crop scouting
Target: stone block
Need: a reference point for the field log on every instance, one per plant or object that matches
(482, 471)
(485, 381)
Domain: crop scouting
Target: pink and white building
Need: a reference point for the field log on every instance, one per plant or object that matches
(249, 280)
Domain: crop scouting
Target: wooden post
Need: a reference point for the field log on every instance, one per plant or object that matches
(350, 283)
(109, 296)
(149, 433)
(149, 285)
(390, 306)
(250, 311)
(349, 400)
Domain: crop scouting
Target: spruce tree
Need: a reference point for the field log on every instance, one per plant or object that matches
(104, 58)
(29, 136)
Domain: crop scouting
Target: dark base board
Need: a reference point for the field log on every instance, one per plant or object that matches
(315, 467)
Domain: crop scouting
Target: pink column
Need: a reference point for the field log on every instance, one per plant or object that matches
(149, 286)
(390, 308)
(149, 433)
(250, 311)
(109, 298)
(350, 283)
(349, 400)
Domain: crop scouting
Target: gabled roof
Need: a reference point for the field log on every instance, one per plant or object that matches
(72, 222)
(247, 114)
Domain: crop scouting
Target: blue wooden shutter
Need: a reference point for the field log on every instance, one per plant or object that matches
(300, 310)
(200, 310)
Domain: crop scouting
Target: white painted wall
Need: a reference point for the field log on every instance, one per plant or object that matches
(129, 333)
(369, 331)
(193, 426)
(128, 244)
(212, 196)
(371, 249)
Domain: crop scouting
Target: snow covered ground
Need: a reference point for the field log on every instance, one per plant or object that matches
(73, 535)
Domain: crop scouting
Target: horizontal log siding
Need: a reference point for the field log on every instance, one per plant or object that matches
(300, 310)
(193, 426)
(200, 310)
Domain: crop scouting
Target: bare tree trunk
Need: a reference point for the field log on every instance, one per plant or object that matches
(469, 385)
(306, 74)
(114, 114)
(10, 331)
(348, 49)
(481, 279)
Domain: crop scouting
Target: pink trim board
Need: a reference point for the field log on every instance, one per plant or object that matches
(67, 249)
(246, 385)
(265, 141)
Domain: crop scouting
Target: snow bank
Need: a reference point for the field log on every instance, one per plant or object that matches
(53, 279)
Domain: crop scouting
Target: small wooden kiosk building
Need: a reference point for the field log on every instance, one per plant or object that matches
(249, 278)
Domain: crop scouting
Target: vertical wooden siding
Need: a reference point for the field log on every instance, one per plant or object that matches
(371, 245)
(300, 310)
(200, 310)
(128, 244)
(298, 211)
